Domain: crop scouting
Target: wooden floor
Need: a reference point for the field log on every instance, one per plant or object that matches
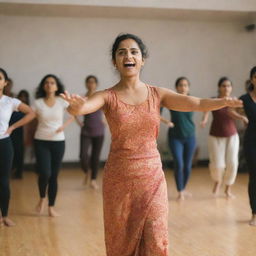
(201, 226)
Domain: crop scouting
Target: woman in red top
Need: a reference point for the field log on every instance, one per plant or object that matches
(223, 142)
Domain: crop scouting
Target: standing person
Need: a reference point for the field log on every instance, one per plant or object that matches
(7, 106)
(223, 142)
(182, 141)
(17, 137)
(134, 187)
(249, 101)
(49, 139)
(92, 134)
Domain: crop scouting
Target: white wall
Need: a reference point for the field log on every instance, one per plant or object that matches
(72, 48)
(226, 5)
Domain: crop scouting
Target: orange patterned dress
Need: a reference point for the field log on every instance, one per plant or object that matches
(134, 187)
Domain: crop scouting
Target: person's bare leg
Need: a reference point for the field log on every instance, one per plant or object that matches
(1, 221)
(252, 222)
(187, 193)
(40, 206)
(228, 192)
(8, 222)
(52, 212)
(216, 188)
(181, 196)
(86, 177)
(94, 184)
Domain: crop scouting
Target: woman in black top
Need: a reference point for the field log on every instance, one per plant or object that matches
(249, 101)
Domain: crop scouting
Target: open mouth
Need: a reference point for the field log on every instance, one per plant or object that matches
(128, 65)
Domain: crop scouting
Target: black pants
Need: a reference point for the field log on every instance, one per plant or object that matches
(49, 155)
(90, 161)
(18, 159)
(250, 155)
(6, 156)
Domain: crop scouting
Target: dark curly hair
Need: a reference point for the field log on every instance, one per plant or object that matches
(122, 37)
(40, 92)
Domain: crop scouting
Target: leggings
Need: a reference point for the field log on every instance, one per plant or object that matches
(182, 151)
(6, 156)
(18, 159)
(92, 161)
(49, 155)
(250, 156)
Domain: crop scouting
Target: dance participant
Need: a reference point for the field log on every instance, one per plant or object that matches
(249, 101)
(7, 107)
(49, 139)
(92, 135)
(134, 187)
(223, 142)
(182, 141)
(17, 138)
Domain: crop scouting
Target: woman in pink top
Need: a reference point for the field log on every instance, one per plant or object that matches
(223, 142)
(134, 188)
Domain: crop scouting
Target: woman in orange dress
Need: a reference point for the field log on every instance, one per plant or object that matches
(134, 187)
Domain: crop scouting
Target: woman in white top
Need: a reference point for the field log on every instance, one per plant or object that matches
(49, 139)
(7, 106)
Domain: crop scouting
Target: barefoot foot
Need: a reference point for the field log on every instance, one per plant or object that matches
(94, 185)
(8, 222)
(252, 222)
(40, 206)
(52, 212)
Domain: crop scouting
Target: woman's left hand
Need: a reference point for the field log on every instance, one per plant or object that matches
(75, 101)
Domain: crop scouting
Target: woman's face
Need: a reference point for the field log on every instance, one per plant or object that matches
(3, 82)
(225, 88)
(128, 58)
(253, 80)
(50, 85)
(91, 84)
(183, 87)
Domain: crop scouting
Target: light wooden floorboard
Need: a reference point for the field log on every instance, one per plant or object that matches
(200, 226)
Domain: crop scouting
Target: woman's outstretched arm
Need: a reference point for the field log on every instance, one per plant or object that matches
(179, 102)
(84, 105)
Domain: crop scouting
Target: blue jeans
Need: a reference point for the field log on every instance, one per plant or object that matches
(182, 152)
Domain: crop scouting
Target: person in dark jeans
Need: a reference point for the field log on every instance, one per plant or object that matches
(249, 101)
(182, 141)
(49, 139)
(17, 138)
(92, 136)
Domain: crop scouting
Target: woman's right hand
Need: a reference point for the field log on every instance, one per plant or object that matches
(75, 101)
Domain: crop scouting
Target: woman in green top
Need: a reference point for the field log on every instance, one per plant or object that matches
(182, 142)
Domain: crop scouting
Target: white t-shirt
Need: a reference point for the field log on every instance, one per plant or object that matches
(7, 106)
(50, 119)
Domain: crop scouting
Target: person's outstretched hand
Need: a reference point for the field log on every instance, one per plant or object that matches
(75, 101)
(233, 102)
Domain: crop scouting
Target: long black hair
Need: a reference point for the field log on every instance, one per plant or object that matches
(6, 78)
(40, 92)
(252, 73)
